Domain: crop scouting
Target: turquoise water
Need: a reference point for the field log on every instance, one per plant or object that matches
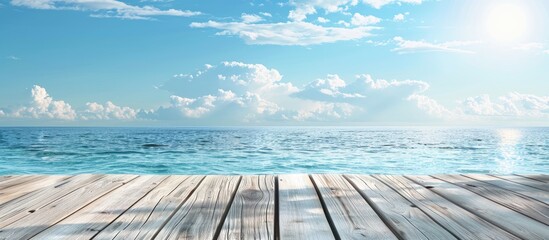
(373, 150)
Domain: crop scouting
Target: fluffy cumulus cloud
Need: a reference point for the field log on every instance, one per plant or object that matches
(104, 8)
(286, 33)
(409, 46)
(510, 105)
(43, 106)
(239, 92)
(231, 91)
(361, 20)
(107, 111)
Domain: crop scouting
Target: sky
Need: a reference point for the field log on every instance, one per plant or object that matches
(280, 63)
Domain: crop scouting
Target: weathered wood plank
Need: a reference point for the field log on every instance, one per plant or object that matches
(512, 186)
(516, 202)
(352, 215)
(300, 212)
(405, 218)
(251, 215)
(455, 219)
(201, 215)
(59, 209)
(525, 181)
(29, 203)
(144, 219)
(17, 180)
(503, 217)
(22, 188)
(88, 221)
(538, 177)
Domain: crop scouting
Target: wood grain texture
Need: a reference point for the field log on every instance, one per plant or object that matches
(201, 215)
(352, 215)
(527, 191)
(538, 177)
(88, 221)
(59, 209)
(525, 181)
(509, 199)
(503, 217)
(406, 219)
(144, 219)
(20, 186)
(300, 212)
(29, 203)
(251, 215)
(13, 188)
(455, 219)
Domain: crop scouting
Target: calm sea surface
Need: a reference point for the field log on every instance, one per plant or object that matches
(373, 150)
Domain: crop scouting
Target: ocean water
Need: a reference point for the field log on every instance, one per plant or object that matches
(369, 150)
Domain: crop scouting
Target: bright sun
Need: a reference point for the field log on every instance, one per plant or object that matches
(507, 22)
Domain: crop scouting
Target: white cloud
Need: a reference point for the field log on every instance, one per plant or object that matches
(399, 17)
(104, 8)
(360, 20)
(2, 113)
(346, 24)
(409, 46)
(510, 105)
(307, 7)
(250, 18)
(43, 106)
(380, 3)
(303, 8)
(231, 91)
(266, 14)
(431, 106)
(287, 33)
(108, 111)
(322, 20)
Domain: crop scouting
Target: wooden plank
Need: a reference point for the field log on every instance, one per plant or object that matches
(201, 215)
(17, 190)
(16, 180)
(88, 221)
(300, 211)
(539, 177)
(516, 202)
(351, 214)
(26, 205)
(59, 209)
(503, 217)
(525, 181)
(455, 219)
(251, 215)
(512, 186)
(405, 218)
(144, 219)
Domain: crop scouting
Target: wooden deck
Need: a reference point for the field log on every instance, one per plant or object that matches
(274, 207)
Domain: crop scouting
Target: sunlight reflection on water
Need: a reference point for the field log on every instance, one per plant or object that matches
(508, 141)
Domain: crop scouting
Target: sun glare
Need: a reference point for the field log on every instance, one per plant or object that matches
(507, 22)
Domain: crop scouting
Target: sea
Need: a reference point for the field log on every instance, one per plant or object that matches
(273, 150)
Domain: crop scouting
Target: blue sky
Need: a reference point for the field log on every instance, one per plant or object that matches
(306, 62)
